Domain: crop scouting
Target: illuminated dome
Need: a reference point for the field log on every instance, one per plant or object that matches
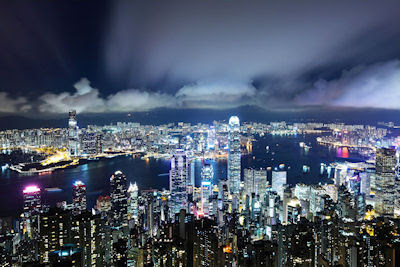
(234, 120)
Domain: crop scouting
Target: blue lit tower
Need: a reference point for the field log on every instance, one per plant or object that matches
(178, 176)
(119, 199)
(78, 197)
(234, 157)
(207, 174)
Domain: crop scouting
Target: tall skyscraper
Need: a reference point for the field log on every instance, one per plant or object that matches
(207, 174)
(234, 157)
(32, 200)
(73, 139)
(255, 181)
(88, 234)
(178, 176)
(133, 194)
(55, 231)
(78, 197)
(279, 179)
(119, 199)
(385, 181)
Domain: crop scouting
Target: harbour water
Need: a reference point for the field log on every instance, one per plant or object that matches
(153, 173)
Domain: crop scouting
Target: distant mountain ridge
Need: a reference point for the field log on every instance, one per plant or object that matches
(162, 116)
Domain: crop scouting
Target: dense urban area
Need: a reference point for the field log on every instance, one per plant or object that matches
(252, 217)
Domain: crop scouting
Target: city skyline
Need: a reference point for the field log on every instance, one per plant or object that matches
(199, 133)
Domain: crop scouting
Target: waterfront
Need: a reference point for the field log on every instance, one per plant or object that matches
(153, 173)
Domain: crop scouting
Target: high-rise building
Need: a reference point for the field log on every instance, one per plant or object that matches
(207, 174)
(178, 176)
(133, 194)
(55, 231)
(119, 199)
(88, 234)
(73, 139)
(279, 179)
(385, 181)
(32, 200)
(78, 197)
(234, 157)
(255, 181)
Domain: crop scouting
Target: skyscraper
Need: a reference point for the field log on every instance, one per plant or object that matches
(55, 231)
(178, 176)
(207, 174)
(72, 134)
(234, 157)
(133, 193)
(255, 181)
(119, 199)
(278, 181)
(32, 200)
(385, 181)
(78, 197)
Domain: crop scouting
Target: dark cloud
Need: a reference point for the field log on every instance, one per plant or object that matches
(143, 55)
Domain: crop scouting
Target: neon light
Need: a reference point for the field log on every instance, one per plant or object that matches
(31, 189)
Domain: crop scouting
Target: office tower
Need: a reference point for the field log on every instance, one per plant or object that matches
(32, 200)
(78, 197)
(316, 193)
(119, 199)
(178, 178)
(385, 181)
(255, 181)
(234, 157)
(73, 134)
(133, 194)
(207, 175)
(302, 191)
(279, 180)
(55, 231)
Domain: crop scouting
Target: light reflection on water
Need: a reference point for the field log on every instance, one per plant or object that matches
(153, 173)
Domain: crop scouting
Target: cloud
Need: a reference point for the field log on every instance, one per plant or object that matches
(137, 100)
(85, 99)
(376, 86)
(204, 40)
(216, 94)
(10, 104)
(88, 99)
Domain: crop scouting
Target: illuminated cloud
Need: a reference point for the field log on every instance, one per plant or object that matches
(216, 94)
(9, 104)
(85, 99)
(376, 86)
(88, 99)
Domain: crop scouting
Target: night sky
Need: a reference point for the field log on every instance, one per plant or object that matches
(134, 56)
